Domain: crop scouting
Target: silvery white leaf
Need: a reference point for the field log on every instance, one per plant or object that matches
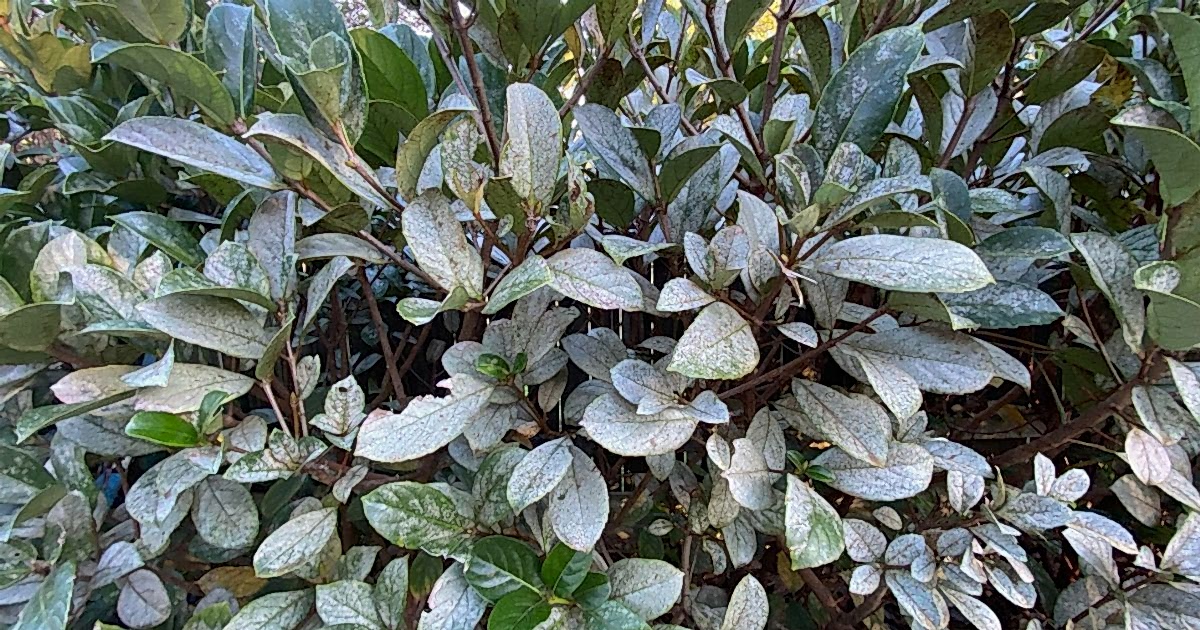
(860, 427)
(941, 361)
(748, 608)
(911, 550)
(1071, 486)
(1014, 590)
(275, 611)
(864, 580)
(1147, 457)
(452, 604)
(348, 602)
(888, 517)
(1187, 383)
(1093, 552)
(439, 245)
(748, 475)
(864, 542)
(143, 602)
(224, 513)
(919, 600)
(741, 541)
(1182, 554)
(723, 508)
(622, 248)
(579, 504)
(802, 333)
(1033, 512)
(590, 277)
(767, 435)
(616, 425)
(538, 473)
(718, 344)
(904, 263)
(295, 543)
(949, 455)
(118, 560)
(977, 612)
(647, 587)
(906, 472)
(1104, 528)
(1161, 415)
(1112, 268)
(895, 387)
(534, 148)
(425, 425)
(716, 553)
(964, 490)
(681, 294)
(596, 352)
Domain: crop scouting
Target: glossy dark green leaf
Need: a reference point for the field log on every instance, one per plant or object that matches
(522, 610)
(166, 429)
(565, 569)
(860, 99)
(680, 166)
(184, 74)
(1063, 70)
(500, 565)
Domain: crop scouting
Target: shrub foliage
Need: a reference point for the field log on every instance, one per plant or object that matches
(600, 314)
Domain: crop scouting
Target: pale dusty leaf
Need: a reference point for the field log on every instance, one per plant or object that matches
(719, 344)
(904, 263)
(295, 543)
(1112, 268)
(748, 608)
(907, 471)
(538, 473)
(425, 425)
(579, 504)
(590, 277)
(649, 588)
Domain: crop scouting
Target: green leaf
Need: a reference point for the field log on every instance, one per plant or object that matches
(565, 569)
(321, 64)
(860, 99)
(391, 75)
(1184, 31)
(416, 516)
(32, 327)
(1175, 156)
(410, 160)
(615, 145)
(533, 151)
(719, 344)
(50, 605)
(1025, 242)
(186, 75)
(185, 281)
(1063, 70)
(210, 322)
(195, 145)
(992, 47)
(38, 418)
(231, 50)
(297, 132)
(160, 21)
(612, 615)
(1001, 305)
(813, 527)
(296, 543)
(162, 428)
(166, 234)
(500, 565)
(679, 168)
(521, 610)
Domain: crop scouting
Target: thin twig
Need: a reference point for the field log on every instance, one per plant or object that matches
(485, 111)
(381, 330)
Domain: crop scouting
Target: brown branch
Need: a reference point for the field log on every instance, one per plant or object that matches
(772, 85)
(381, 330)
(795, 365)
(585, 81)
(1050, 443)
(485, 111)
